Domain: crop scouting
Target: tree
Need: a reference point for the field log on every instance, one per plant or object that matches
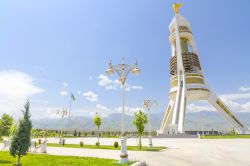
(21, 140)
(43, 133)
(98, 122)
(140, 120)
(6, 122)
(13, 130)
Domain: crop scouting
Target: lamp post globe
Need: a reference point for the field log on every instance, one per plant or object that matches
(110, 70)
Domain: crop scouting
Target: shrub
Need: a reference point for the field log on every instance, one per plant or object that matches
(81, 143)
(97, 143)
(75, 133)
(116, 144)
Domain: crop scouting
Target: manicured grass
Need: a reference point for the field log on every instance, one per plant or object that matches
(108, 147)
(226, 136)
(51, 160)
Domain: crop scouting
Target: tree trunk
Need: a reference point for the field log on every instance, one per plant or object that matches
(98, 136)
(140, 142)
(18, 161)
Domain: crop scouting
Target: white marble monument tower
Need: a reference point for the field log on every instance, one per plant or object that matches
(187, 81)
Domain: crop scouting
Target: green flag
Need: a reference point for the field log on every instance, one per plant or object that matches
(73, 97)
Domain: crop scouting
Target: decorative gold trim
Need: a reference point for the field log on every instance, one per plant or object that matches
(187, 76)
(191, 63)
(174, 83)
(199, 75)
(222, 106)
(165, 117)
(201, 89)
(193, 80)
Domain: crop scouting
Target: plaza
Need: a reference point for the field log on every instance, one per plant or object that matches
(180, 151)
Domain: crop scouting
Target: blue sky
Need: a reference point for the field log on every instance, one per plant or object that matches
(49, 47)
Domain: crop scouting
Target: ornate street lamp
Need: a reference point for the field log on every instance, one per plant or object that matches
(123, 70)
(62, 113)
(148, 104)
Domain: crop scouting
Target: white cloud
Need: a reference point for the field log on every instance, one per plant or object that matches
(192, 108)
(16, 84)
(130, 87)
(232, 105)
(101, 107)
(128, 110)
(107, 83)
(65, 84)
(244, 88)
(15, 88)
(238, 102)
(236, 96)
(79, 92)
(90, 77)
(63, 93)
(236, 106)
(91, 96)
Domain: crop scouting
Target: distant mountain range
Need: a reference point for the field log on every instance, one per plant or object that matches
(210, 120)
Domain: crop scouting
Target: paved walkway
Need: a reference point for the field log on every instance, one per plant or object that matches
(193, 152)
(180, 152)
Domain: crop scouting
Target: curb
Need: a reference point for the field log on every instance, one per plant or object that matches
(139, 163)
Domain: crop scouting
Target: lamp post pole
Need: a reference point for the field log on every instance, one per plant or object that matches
(148, 104)
(123, 70)
(202, 128)
(123, 106)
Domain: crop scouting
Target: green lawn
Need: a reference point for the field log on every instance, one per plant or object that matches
(50, 160)
(226, 136)
(90, 136)
(109, 147)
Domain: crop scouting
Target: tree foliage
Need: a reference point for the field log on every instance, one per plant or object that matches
(6, 122)
(13, 130)
(98, 122)
(21, 140)
(140, 120)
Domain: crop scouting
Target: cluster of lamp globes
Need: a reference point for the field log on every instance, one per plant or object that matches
(122, 70)
(62, 112)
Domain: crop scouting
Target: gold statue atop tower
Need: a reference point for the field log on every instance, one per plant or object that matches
(176, 7)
